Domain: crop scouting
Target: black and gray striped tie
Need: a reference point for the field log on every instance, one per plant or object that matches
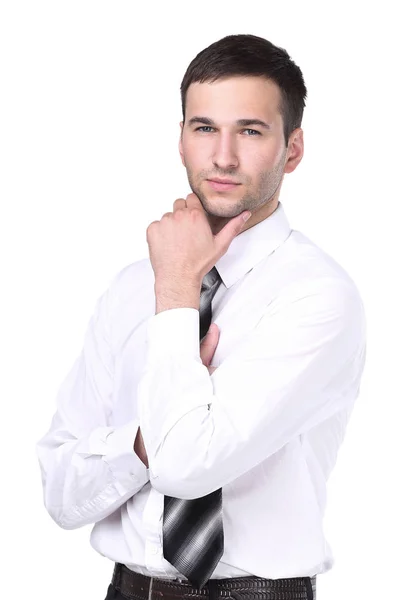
(193, 537)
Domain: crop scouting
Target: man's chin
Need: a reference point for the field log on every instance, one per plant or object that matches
(217, 206)
(223, 214)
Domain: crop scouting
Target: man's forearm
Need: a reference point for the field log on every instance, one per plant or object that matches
(168, 297)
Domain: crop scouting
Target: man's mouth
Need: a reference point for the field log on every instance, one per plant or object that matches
(222, 184)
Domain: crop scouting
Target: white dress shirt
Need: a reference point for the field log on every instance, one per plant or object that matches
(266, 426)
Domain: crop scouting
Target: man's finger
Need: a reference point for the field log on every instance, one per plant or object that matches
(193, 201)
(179, 203)
(209, 345)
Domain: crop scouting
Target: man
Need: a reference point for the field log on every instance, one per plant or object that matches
(204, 467)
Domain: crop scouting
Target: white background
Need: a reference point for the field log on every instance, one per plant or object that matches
(90, 107)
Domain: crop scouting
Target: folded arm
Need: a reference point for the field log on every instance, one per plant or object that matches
(288, 375)
(89, 468)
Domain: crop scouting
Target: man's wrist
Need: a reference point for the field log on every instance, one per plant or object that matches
(174, 293)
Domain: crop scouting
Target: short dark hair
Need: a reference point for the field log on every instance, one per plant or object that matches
(241, 55)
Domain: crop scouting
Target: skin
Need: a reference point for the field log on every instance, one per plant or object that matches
(186, 243)
(252, 155)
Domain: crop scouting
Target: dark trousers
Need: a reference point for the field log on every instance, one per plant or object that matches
(113, 594)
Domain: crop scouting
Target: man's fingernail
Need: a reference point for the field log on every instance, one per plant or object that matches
(247, 216)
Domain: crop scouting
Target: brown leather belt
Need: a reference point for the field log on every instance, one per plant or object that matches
(140, 587)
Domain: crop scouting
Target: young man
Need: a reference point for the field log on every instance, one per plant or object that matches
(204, 467)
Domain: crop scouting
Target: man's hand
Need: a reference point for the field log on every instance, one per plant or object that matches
(183, 249)
(139, 448)
(207, 349)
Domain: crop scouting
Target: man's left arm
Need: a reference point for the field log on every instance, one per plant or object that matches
(298, 367)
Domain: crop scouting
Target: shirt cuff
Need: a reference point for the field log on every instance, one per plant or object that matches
(117, 449)
(174, 331)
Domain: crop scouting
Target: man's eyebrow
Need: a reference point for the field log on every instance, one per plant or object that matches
(239, 122)
(204, 120)
(248, 122)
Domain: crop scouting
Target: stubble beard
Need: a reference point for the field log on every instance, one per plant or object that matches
(252, 200)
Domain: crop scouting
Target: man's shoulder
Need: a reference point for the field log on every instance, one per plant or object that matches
(301, 269)
(129, 300)
(312, 262)
(132, 279)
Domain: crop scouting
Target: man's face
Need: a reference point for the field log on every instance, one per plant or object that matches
(233, 131)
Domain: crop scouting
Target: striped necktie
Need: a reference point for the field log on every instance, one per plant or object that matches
(193, 537)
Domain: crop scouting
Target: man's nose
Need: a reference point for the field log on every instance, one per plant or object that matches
(225, 155)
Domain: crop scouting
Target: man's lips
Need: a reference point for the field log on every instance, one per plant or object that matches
(222, 184)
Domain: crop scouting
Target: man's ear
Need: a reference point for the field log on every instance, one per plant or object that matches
(181, 143)
(295, 150)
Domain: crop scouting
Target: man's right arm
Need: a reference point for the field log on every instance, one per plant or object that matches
(208, 347)
(89, 468)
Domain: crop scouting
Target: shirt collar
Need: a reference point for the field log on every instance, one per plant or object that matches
(249, 247)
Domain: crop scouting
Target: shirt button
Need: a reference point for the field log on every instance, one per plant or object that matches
(155, 549)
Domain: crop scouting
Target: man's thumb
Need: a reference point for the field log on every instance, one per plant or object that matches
(231, 230)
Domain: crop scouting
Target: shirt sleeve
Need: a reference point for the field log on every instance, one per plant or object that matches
(89, 468)
(300, 365)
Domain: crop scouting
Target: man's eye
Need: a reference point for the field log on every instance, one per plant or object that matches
(251, 132)
(205, 129)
